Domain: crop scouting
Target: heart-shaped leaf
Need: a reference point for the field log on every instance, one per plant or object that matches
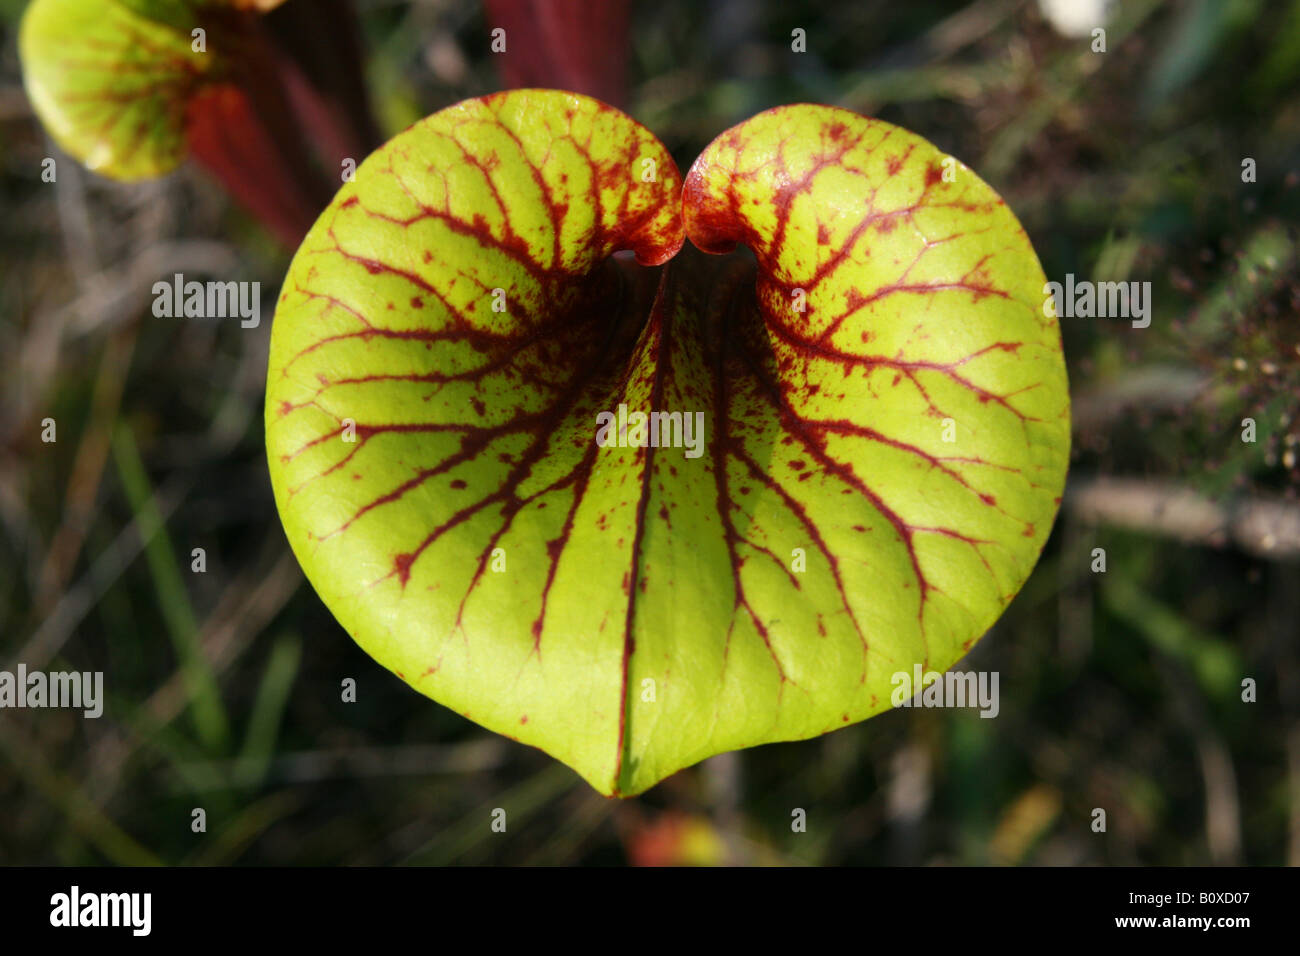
(882, 440)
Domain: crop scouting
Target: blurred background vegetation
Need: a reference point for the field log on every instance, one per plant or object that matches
(1119, 690)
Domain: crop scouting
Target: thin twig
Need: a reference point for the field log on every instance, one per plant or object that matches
(1264, 527)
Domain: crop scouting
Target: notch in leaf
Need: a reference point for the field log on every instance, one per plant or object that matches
(885, 409)
(131, 87)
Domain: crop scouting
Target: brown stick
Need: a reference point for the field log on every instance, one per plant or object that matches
(1264, 527)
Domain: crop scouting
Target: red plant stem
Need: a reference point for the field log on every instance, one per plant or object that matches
(229, 138)
(566, 45)
(323, 70)
(291, 84)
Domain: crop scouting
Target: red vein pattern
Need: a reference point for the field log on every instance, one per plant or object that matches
(880, 466)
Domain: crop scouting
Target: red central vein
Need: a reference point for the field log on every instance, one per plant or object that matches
(724, 498)
(658, 340)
